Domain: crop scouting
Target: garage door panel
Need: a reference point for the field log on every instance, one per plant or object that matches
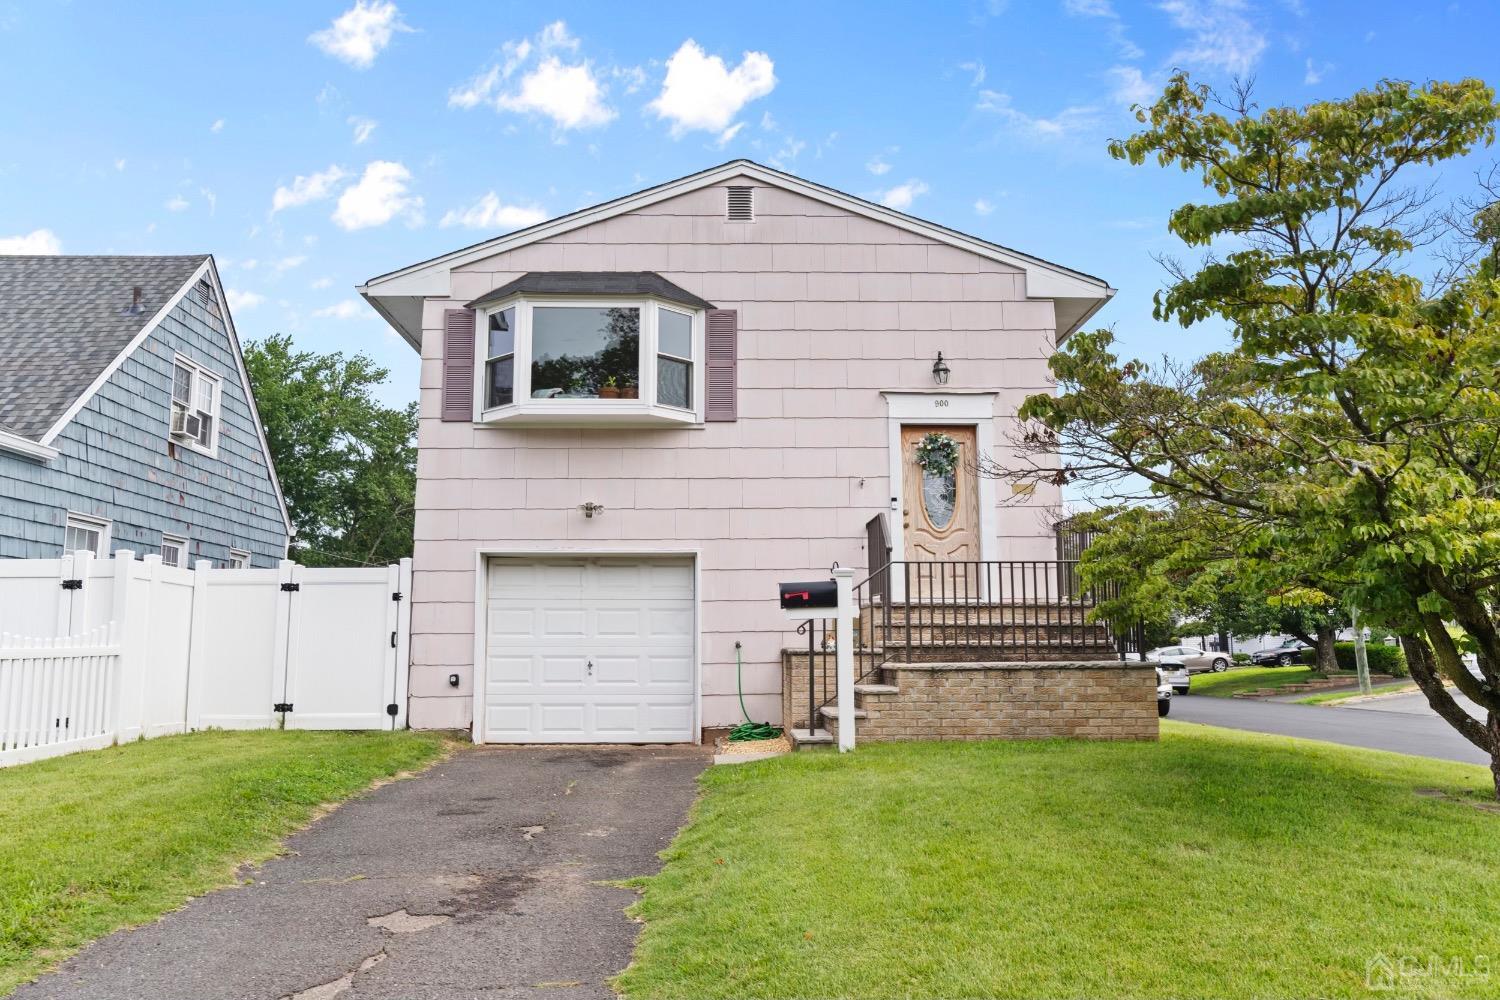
(508, 671)
(565, 670)
(633, 619)
(618, 623)
(563, 720)
(562, 623)
(672, 671)
(619, 670)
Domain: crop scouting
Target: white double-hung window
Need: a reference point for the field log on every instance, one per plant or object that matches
(589, 360)
(195, 406)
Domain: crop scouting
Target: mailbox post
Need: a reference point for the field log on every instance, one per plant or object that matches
(844, 656)
(823, 599)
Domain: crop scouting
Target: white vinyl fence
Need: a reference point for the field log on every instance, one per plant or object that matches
(96, 651)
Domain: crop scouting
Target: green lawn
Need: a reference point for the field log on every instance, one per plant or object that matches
(111, 838)
(1332, 696)
(1237, 679)
(1212, 863)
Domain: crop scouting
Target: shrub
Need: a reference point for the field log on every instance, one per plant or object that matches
(1383, 659)
(1241, 657)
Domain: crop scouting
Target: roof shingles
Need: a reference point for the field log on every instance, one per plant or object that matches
(64, 319)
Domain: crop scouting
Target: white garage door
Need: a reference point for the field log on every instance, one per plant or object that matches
(589, 651)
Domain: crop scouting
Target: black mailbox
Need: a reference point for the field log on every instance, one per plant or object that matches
(817, 594)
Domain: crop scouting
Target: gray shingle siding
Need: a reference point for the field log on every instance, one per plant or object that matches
(113, 461)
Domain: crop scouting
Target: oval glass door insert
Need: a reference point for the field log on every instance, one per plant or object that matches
(939, 497)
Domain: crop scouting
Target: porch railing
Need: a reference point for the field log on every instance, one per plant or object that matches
(967, 609)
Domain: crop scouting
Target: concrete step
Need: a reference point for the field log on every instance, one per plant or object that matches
(810, 738)
(876, 689)
(832, 712)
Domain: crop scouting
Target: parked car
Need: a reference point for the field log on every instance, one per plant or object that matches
(1196, 660)
(1175, 673)
(1283, 655)
(1163, 693)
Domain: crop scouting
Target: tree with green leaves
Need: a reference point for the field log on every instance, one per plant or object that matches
(1351, 432)
(347, 463)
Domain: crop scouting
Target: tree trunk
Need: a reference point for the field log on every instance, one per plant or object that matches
(1328, 661)
(1494, 730)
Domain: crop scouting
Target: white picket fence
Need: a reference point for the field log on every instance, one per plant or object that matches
(179, 649)
(57, 695)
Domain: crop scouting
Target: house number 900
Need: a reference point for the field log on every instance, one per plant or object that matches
(939, 402)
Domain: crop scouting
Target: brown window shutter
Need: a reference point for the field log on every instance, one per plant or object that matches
(458, 364)
(723, 357)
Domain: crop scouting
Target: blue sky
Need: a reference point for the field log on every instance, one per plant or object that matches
(313, 145)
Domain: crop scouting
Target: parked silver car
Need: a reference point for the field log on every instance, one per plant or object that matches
(1197, 661)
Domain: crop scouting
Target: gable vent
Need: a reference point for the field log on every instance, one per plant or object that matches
(741, 204)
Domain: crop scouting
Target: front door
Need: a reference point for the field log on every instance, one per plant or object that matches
(939, 509)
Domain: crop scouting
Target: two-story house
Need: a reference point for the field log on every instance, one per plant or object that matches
(638, 418)
(126, 417)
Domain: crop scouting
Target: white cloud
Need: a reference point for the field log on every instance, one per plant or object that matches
(901, 196)
(479, 90)
(1066, 122)
(975, 69)
(878, 166)
(288, 263)
(570, 95)
(1316, 72)
(321, 283)
(379, 196)
(363, 128)
(1221, 36)
(176, 203)
(345, 309)
(983, 206)
(701, 92)
(211, 198)
(120, 163)
(359, 34)
(314, 187)
(1089, 8)
(240, 301)
(1131, 87)
(633, 77)
(217, 126)
(36, 242)
(490, 213)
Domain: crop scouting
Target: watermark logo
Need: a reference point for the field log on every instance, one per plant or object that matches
(1391, 973)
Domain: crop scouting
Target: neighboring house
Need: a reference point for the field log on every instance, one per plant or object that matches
(126, 417)
(638, 418)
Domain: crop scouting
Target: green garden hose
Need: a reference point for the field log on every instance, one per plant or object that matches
(747, 730)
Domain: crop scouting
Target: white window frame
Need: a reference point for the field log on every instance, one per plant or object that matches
(86, 522)
(215, 412)
(238, 559)
(174, 541)
(643, 410)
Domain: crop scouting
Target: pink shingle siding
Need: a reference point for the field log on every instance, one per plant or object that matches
(832, 308)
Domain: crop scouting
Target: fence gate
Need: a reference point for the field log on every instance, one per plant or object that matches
(337, 669)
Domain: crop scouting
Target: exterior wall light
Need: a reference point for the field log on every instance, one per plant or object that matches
(940, 370)
(590, 509)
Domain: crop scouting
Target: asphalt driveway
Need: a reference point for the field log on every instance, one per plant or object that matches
(477, 879)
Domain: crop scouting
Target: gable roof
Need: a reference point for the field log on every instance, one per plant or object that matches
(628, 283)
(63, 320)
(48, 306)
(398, 295)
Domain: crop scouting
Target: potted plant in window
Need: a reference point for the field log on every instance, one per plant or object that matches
(610, 389)
(629, 390)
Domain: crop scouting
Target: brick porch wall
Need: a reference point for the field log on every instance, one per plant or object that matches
(1104, 700)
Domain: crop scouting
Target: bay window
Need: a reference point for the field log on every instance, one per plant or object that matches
(589, 360)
